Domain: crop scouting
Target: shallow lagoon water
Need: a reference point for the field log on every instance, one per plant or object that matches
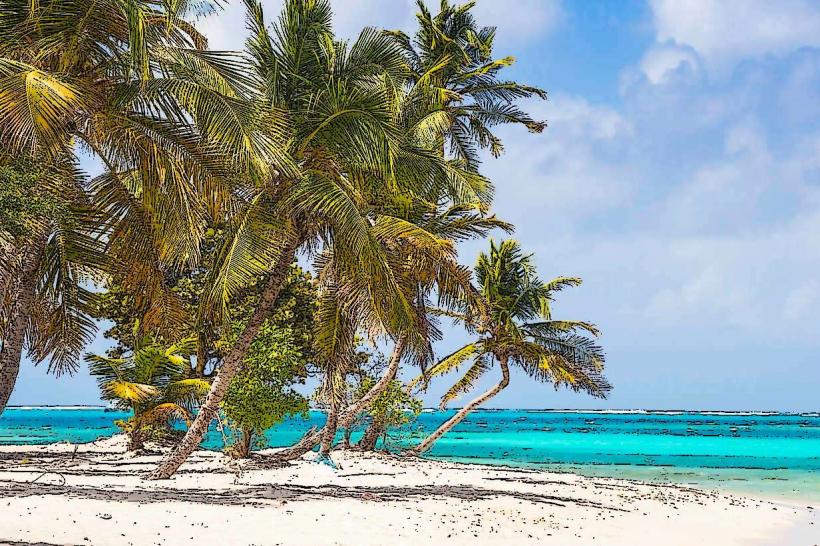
(771, 454)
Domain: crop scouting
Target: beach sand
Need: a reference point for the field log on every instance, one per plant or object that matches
(94, 494)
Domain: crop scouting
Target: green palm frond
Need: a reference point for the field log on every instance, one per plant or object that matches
(150, 375)
(466, 383)
(188, 393)
(448, 364)
(556, 327)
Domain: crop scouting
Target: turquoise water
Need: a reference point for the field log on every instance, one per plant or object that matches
(774, 454)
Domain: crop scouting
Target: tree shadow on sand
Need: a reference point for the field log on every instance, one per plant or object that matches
(265, 494)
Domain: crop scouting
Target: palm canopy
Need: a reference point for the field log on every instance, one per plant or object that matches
(517, 328)
(132, 83)
(48, 253)
(151, 377)
(358, 163)
(452, 58)
(362, 156)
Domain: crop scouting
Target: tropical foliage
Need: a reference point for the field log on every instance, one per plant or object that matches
(262, 394)
(153, 383)
(393, 408)
(48, 255)
(223, 170)
(293, 310)
(516, 328)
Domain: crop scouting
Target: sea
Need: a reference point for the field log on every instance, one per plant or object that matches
(765, 454)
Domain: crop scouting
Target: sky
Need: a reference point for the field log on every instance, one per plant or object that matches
(679, 176)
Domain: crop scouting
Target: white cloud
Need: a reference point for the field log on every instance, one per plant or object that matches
(663, 61)
(690, 209)
(802, 302)
(725, 32)
(531, 19)
(562, 171)
(521, 21)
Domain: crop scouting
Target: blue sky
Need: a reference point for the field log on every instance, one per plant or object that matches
(679, 176)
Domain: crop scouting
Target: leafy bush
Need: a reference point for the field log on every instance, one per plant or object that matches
(26, 199)
(393, 408)
(262, 394)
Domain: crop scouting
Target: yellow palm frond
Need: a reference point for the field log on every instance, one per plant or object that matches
(447, 364)
(37, 107)
(127, 390)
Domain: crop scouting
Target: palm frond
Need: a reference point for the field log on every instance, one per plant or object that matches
(466, 383)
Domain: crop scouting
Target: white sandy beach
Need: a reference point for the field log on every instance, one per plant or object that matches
(96, 496)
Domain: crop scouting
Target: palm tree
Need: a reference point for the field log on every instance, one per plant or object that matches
(452, 94)
(132, 84)
(517, 329)
(359, 160)
(421, 252)
(334, 103)
(450, 57)
(153, 382)
(48, 255)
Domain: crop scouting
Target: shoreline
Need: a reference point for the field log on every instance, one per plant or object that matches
(94, 494)
(434, 409)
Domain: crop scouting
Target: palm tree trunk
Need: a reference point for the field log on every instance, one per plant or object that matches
(14, 335)
(232, 365)
(199, 370)
(384, 381)
(313, 436)
(10, 356)
(331, 426)
(371, 436)
(462, 413)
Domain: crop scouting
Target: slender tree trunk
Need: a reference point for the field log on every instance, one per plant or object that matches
(242, 448)
(389, 375)
(232, 365)
(199, 370)
(14, 333)
(10, 356)
(330, 428)
(371, 436)
(314, 437)
(462, 413)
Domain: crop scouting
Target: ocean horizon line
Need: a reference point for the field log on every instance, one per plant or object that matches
(624, 411)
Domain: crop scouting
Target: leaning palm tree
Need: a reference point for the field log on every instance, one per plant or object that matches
(517, 329)
(420, 249)
(153, 383)
(48, 255)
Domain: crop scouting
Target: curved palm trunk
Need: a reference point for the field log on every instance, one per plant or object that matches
(330, 428)
(314, 437)
(374, 431)
(11, 346)
(10, 356)
(230, 367)
(462, 413)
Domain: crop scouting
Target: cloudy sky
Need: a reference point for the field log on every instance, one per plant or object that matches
(679, 176)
